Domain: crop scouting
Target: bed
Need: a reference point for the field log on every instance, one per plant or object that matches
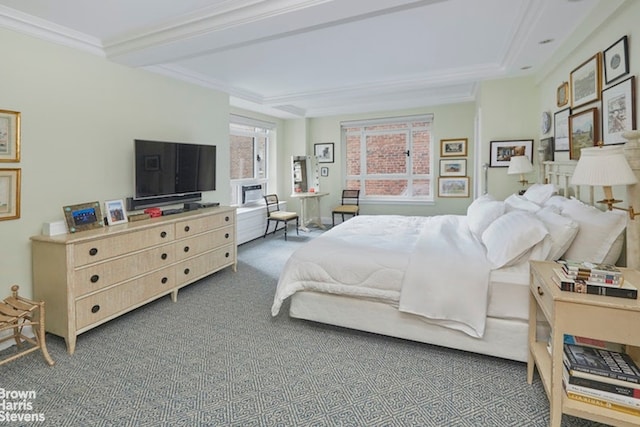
(459, 281)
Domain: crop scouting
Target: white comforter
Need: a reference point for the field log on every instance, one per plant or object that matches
(429, 266)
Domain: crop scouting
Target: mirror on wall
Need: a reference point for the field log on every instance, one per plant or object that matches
(305, 174)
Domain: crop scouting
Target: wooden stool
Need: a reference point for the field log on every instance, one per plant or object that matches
(16, 313)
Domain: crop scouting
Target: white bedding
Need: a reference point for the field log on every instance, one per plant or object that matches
(368, 257)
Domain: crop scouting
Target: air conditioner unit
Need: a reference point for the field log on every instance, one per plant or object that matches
(252, 194)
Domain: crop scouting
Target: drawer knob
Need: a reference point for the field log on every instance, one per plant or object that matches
(95, 308)
(163, 256)
(226, 255)
(226, 218)
(163, 234)
(187, 228)
(540, 291)
(93, 251)
(187, 271)
(164, 280)
(186, 249)
(94, 278)
(226, 235)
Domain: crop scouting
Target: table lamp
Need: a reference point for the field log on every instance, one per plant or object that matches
(520, 165)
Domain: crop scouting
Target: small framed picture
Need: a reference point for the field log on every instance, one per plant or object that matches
(548, 145)
(618, 111)
(115, 211)
(453, 147)
(324, 152)
(453, 167)
(586, 82)
(324, 171)
(583, 131)
(9, 194)
(9, 136)
(562, 94)
(453, 187)
(561, 129)
(616, 60)
(502, 151)
(84, 216)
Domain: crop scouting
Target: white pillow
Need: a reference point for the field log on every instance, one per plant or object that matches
(562, 231)
(482, 212)
(614, 252)
(597, 233)
(512, 236)
(540, 193)
(556, 201)
(515, 201)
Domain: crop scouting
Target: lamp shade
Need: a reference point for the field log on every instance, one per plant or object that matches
(605, 165)
(519, 165)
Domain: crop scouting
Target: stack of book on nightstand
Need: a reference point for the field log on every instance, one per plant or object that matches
(602, 377)
(596, 279)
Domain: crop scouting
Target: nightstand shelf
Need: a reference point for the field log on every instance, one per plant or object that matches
(605, 318)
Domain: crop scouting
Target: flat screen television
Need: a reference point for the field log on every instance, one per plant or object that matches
(171, 172)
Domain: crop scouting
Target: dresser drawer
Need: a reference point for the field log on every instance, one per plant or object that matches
(206, 263)
(96, 276)
(100, 249)
(203, 242)
(99, 306)
(543, 297)
(191, 227)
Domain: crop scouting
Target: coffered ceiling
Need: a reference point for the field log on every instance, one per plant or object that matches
(309, 58)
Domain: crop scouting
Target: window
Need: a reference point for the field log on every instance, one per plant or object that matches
(249, 145)
(389, 159)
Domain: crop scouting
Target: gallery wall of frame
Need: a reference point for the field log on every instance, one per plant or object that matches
(453, 180)
(597, 104)
(10, 178)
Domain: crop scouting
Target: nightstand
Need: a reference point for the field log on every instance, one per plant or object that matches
(594, 316)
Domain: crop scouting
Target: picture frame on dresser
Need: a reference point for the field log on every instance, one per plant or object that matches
(9, 136)
(115, 211)
(618, 111)
(10, 193)
(83, 216)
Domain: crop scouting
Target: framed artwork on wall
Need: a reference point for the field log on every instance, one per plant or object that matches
(583, 131)
(561, 129)
(549, 149)
(562, 94)
(9, 136)
(618, 111)
(453, 147)
(502, 151)
(451, 167)
(453, 187)
(324, 152)
(324, 171)
(116, 213)
(10, 194)
(616, 60)
(585, 82)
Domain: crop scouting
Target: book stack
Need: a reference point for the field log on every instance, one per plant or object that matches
(571, 283)
(602, 377)
(594, 274)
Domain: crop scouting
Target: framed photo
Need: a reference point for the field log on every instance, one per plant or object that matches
(116, 213)
(324, 171)
(9, 194)
(9, 136)
(586, 82)
(548, 145)
(618, 111)
(562, 94)
(502, 151)
(453, 147)
(84, 216)
(561, 129)
(451, 167)
(324, 152)
(453, 187)
(583, 131)
(616, 60)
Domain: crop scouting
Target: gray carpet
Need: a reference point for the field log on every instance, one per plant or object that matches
(218, 358)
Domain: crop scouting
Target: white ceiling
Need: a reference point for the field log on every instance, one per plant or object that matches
(309, 58)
